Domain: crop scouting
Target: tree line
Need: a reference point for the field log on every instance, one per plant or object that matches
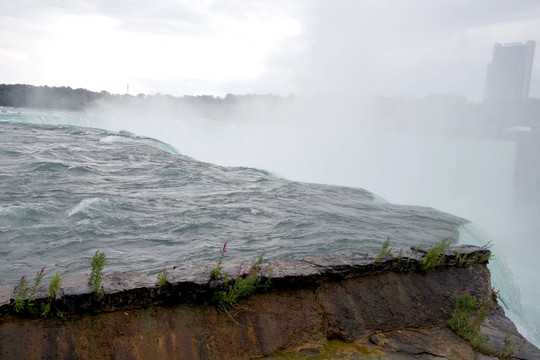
(434, 111)
(22, 95)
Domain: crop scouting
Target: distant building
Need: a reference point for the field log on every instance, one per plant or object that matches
(509, 74)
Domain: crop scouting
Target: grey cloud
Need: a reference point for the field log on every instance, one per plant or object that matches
(411, 47)
(175, 17)
(397, 47)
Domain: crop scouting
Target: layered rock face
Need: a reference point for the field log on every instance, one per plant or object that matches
(393, 307)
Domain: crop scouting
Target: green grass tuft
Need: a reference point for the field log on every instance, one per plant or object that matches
(435, 256)
(54, 285)
(510, 350)
(244, 285)
(386, 250)
(97, 262)
(162, 278)
(465, 322)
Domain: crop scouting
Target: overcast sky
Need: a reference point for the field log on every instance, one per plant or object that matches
(387, 47)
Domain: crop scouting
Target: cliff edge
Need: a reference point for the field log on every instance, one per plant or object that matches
(352, 306)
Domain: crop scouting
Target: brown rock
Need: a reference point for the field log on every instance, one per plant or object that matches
(348, 297)
(6, 293)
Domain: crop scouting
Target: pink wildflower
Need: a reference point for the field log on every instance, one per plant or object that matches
(224, 250)
(252, 270)
(239, 271)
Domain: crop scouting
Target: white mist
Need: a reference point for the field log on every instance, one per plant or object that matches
(466, 175)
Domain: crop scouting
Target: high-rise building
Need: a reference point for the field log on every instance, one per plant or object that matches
(509, 74)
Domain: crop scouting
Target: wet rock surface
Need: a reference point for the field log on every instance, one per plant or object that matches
(500, 331)
(345, 297)
(426, 344)
(130, 289)
(438, 343)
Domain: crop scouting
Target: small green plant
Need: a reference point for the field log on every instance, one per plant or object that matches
(466, 320)
(435, 255)
(243, 286)
(54, 285)
(97, 262)
(37, 281)
(215, 273)
(399, 255)
(45, 310)
(510, 350)
(461, 259)
(480, 257)
(162, 278)
(22, 293)
(386, 250)
(25, 298)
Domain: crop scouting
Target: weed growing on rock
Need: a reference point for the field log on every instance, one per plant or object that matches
(477, 258)
(37, 281)
(25, 301)
(47, 308)
(244, 285)
(466, 320)
(162, 278)
(97, 262)
(25, 297)
(386, 250)
(461, 259)
(481, 257)
(435, 255)
(216, 272)
(399, 255)
(54, 285)
(22, 293)
(485, 255)
(510, 350)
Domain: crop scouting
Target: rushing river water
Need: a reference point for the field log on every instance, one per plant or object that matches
(70, 186)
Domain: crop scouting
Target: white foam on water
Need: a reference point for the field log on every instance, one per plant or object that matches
(17, 209)
(116, 139)
(5, 209)
(85, 205)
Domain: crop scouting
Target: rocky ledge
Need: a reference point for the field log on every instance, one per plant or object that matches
(386, 308)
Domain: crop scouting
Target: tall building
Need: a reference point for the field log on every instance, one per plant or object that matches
(509, 74)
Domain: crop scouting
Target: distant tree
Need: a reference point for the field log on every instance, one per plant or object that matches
(22, 95)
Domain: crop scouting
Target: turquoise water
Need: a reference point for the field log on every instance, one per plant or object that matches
(70, 185)
(67, 191)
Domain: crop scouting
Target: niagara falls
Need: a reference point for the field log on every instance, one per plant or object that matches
(292, 130)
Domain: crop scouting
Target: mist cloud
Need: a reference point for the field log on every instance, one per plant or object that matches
(397, 48)
(388, 47)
